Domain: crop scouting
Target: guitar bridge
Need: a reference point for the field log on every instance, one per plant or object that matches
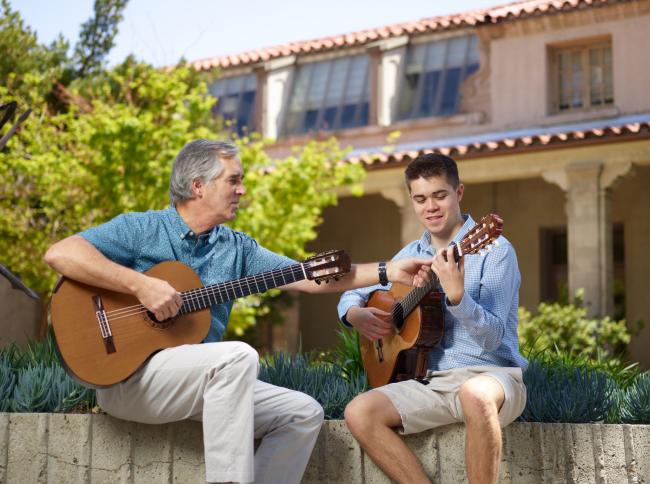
(104, 327)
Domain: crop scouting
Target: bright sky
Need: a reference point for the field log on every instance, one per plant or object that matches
(162, 31)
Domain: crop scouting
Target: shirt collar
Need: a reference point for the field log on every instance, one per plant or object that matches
(425, 241)
(182, 229)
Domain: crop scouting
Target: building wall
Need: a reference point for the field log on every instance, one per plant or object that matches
(19, 315)
(519, 66)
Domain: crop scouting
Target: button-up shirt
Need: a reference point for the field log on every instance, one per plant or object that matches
(141, 240)
(482, 328)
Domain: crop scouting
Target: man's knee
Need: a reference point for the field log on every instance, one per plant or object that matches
(481, 398)
(369, 410)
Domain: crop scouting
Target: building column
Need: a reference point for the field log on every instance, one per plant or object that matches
(411, 226)
(587, 186)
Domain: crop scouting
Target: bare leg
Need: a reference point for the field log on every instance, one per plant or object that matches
(481, 398)
(371, 418)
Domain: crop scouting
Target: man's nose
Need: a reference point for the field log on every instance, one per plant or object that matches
(431, 204)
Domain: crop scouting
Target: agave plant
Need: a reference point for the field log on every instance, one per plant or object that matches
(7, 383)
(560, 392)
(321, 381)
(635, 401)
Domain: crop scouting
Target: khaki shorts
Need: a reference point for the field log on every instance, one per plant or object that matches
(423, 407)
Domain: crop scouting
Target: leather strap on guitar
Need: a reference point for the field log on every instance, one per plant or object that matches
(413, 363)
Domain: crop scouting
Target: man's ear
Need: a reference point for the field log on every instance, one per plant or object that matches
(197, 187)
(459, 191)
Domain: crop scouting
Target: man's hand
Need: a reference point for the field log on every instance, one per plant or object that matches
(159, 297)
(411, 271)
(372, 323)
(450, 274)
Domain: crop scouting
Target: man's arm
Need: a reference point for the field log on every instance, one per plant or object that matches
(411, 271)
(78, 259)
(484, 319)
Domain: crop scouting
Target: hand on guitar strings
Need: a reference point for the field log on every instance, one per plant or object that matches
(373, 323)
(411, 271)
(450, 273)
(159, 297)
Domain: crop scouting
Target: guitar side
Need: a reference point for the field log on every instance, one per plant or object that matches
(423, 327)
(92, 359)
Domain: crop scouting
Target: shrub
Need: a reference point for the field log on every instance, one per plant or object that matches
(321, 381)
(567, 327)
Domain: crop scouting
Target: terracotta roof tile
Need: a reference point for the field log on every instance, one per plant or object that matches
(505, 142)
(490, 15)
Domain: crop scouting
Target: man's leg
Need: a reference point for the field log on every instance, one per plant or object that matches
(371, 418)
(288, 422)
(481, 398)
(212, 382)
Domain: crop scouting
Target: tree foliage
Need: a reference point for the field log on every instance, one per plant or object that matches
(103, 144)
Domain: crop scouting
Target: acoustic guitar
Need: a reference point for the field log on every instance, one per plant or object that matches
(104, 336)
(417, 316)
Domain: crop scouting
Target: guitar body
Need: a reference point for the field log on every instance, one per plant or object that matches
(136, 335)
(403, 352)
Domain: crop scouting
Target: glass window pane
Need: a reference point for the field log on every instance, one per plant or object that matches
(435, 90)
(328, 94)
(457, 52)
(236, 100)
(450, 91)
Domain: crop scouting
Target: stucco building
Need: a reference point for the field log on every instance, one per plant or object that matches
(544, 104)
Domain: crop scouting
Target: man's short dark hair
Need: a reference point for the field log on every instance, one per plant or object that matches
(430, 165)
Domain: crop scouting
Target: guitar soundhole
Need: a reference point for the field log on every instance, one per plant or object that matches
(154, 323)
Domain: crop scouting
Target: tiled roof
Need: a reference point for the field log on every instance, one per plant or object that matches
(509, 141)
(490, 15)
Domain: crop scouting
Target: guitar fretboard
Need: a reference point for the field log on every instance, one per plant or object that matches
(406, 306)
(204, 297)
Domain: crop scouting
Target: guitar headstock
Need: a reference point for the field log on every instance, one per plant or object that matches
(482, 235)
(327, 265)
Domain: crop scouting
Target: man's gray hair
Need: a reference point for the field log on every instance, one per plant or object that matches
(198, 159)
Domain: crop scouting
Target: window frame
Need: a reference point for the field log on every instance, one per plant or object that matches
(583, 48)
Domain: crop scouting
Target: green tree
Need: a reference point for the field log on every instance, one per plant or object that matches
(109, 150)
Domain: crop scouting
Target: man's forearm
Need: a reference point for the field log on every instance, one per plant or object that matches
(78, 259)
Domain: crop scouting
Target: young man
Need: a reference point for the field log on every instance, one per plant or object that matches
(475, 374)
(215, 381)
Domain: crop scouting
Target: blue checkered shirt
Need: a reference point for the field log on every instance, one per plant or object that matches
(482, 328)
(141, 240)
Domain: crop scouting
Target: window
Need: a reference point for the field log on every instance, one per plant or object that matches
(329, 95)
(433, 75)
(583, 77)
(236, 101)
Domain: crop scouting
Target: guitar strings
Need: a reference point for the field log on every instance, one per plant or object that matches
(199, 295)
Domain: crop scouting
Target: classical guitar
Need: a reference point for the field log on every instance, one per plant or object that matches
(417, 316)
(103, 336)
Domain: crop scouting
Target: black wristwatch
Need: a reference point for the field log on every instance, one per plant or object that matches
(383, 278)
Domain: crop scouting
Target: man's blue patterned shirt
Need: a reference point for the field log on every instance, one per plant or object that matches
(482, 328)
(140, 240)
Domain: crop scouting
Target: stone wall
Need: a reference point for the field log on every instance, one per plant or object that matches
(60, 448)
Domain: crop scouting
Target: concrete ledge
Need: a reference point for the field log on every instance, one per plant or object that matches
(73, 448)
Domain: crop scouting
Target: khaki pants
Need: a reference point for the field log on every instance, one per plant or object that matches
(424, 407)
(217, 384)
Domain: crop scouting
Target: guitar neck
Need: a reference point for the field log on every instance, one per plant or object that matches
(413, 298)
(204, 297)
